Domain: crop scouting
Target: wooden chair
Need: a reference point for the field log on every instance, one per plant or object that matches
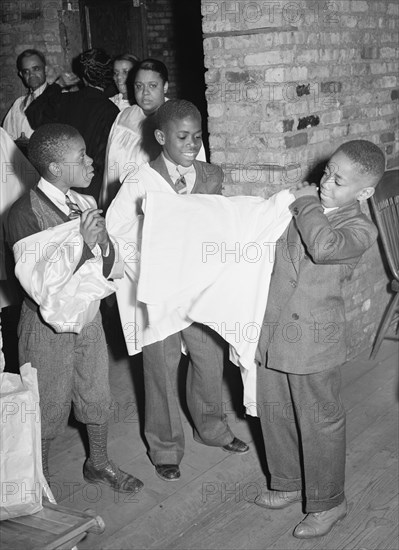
(385, 206)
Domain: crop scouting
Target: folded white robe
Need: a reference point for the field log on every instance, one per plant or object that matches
(45, 266)
(209, 259)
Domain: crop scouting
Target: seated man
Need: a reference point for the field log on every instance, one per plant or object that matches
(64, 260)
(175, 170)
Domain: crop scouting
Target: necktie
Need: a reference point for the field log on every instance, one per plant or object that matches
(28, 100)
(180, 185)
(74, 210)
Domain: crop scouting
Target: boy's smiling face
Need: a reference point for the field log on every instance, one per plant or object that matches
(181, 140)
(342, 183)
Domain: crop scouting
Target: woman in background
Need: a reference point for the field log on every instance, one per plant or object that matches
(123, 64)
(131, 141)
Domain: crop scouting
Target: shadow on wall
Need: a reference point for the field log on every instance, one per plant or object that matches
(190, 58)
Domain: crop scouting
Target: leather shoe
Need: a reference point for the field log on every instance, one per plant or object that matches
(318, 524)
(168, 472)
(236, 446)
(278, 499)
(113, 476)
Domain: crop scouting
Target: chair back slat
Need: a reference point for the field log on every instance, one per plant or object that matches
(385, 204)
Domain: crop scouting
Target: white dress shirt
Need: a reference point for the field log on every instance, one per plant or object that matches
(15, 122)
(57, 196)
(175, 171)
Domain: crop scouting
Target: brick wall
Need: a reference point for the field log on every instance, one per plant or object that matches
(174, 35)
(287, 82)
(50, 26)
(311, 75)
(161, 38)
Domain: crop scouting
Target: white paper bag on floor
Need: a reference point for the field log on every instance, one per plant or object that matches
(21, 477)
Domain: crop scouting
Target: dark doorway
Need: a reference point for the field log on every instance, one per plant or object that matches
(190, 57)
(116, 26)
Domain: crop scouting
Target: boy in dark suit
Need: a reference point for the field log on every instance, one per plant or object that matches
(303, 338)
(175, 170)
(60, 330)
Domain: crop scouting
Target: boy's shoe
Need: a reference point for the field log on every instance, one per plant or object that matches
(113, 476)
(318, 524)
(168, 472)
(276, 500)
(236, 446)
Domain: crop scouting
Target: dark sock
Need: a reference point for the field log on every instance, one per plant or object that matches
(98, 436)
(45, 453)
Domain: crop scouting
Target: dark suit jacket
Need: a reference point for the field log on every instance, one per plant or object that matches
(209, 177)
(304, 325)
(89, 111)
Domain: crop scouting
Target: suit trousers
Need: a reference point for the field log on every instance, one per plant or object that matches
(71, 369)
(163, 427)
(303, 425)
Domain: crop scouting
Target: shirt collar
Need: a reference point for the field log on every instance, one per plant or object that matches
(176, 170)
(327, 210)
(38, 91)
(56, 196)
(51, 190)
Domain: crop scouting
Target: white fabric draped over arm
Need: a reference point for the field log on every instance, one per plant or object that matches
(45, 266)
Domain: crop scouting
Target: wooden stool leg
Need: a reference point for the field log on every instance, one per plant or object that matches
(385, 326)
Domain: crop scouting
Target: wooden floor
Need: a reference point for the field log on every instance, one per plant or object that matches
(212, 505)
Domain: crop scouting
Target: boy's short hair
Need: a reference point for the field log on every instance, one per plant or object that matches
(366, 155)
(49, 143)
(176, 109)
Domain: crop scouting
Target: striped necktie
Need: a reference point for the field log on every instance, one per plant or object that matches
(74, 210)
(181, 185)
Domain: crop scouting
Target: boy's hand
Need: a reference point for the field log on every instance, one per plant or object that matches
(304, 189)
(92, 224)
(103, 238)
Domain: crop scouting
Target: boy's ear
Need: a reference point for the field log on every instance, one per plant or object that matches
(54, 169)
(160, 137)
(165, 87)
(365, 194)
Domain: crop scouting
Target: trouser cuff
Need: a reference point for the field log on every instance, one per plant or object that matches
(284, 484)
(323, 505)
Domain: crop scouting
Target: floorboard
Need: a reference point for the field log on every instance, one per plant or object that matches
(212, 507)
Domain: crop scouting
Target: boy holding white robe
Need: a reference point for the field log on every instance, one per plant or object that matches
(64, 260)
